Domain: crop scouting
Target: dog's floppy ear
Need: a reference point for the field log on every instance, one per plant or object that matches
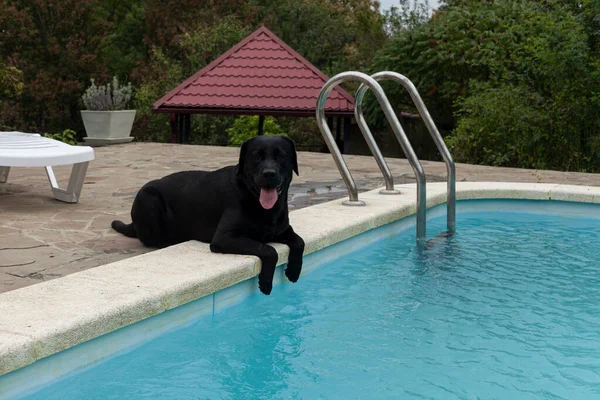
(243, 151)
(294, 155)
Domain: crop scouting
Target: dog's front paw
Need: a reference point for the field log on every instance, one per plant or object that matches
(265, 285)
(293, 271)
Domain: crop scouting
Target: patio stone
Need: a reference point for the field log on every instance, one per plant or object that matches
(63, 225)
(5, 230)
(42, 239)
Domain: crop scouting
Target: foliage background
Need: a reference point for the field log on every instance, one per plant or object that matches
(244, 128)
(515, 81)
(511, 82)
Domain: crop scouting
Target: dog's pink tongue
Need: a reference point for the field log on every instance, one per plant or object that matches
(268, 198)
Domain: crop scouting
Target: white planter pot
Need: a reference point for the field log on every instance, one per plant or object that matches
(103, 127)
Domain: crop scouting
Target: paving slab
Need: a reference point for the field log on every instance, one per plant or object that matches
(42, 239)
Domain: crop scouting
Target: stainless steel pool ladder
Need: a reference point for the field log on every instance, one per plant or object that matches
(370, 82)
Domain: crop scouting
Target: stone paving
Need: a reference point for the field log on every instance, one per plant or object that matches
(42, 239)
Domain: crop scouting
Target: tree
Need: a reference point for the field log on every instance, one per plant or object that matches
(474, 58)
(122, 46)
(407, 16)
(60, 44)
(334, 35)
(11, 87)
(56, 43)
(11, 82)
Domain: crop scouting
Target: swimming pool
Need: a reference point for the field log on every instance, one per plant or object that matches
(507, 308)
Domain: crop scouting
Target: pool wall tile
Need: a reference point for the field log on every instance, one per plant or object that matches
(235, 294)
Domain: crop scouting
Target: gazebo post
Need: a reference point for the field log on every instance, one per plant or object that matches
(347, 135)
(173, 121)
(187, 127)
(180, 128)
(261, 123)
(330, 123)
(338, 133)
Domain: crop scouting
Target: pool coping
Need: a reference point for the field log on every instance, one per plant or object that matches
(41, 320)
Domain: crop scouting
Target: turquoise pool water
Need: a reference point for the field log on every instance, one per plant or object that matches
(508, 308)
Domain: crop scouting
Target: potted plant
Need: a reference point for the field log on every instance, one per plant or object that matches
(106, 118)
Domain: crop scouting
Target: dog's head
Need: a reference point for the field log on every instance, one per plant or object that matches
(266, 166)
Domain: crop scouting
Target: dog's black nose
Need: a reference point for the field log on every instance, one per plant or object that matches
(269, 173)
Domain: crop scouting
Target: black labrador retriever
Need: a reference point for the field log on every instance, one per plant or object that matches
(237, 209)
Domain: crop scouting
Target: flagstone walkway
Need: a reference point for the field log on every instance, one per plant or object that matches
(42, 239)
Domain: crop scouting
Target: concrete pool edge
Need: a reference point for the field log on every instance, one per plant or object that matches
(43, 319)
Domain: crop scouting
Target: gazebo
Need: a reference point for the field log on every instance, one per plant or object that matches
(261, 75)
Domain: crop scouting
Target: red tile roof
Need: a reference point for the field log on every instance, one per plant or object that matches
(259, 75)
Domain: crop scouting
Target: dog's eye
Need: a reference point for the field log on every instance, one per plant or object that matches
(257, 157)
(281, 156)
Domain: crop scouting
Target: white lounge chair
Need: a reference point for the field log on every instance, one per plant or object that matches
(19, 149)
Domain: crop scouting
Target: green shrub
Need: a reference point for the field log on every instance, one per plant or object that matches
(510, 126)
(11, 86)
(11, 82)
(246, 127)
(303, 131)
(67, 136)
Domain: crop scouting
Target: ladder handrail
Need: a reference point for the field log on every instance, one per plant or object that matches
(328, 136)
(433, 131)
(366, 132)
(396, 128)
